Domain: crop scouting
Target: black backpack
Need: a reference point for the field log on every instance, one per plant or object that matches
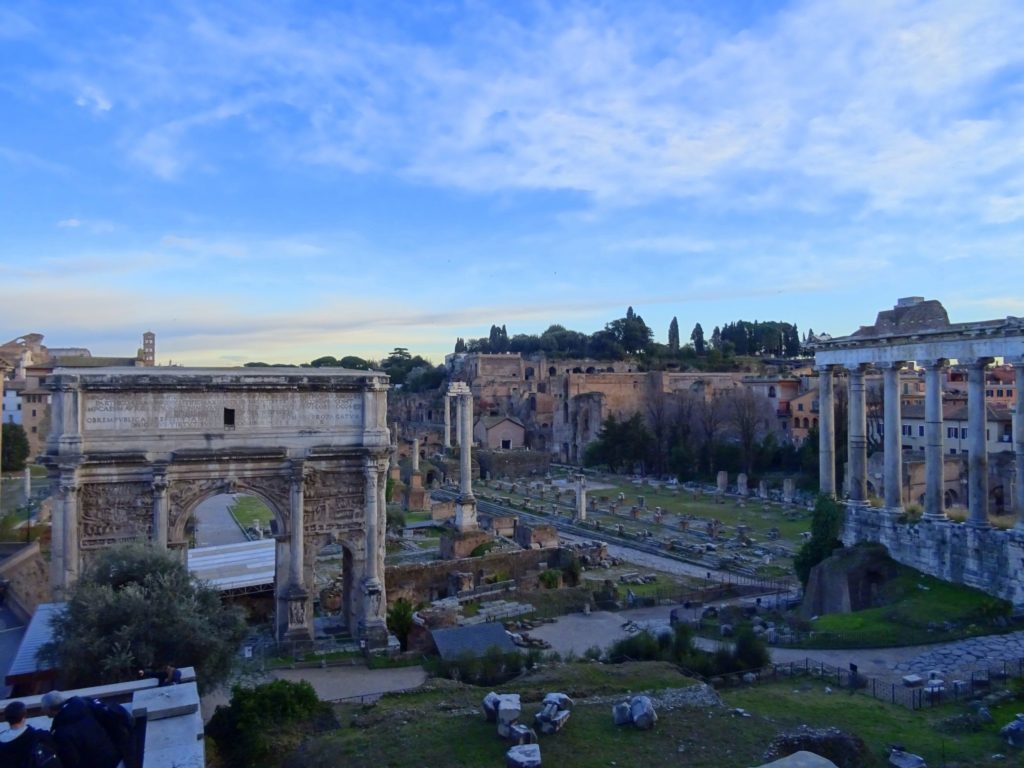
(42, 754)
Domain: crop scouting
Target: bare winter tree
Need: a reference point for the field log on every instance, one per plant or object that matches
(709, 418)
(751, 417)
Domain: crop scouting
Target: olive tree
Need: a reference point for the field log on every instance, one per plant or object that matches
(136, 607)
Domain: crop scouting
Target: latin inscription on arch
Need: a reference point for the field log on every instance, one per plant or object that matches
(170, 411)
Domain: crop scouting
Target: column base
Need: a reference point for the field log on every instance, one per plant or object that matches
(373, 634)
(465, 514)
(934, 519)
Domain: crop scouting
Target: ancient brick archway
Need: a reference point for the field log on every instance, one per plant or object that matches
(136, 450)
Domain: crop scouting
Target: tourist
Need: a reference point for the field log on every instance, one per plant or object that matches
(82, 740)
(21, 745)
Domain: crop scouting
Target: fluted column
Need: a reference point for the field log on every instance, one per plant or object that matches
(160, 514)
(1018, 440)
(857, 441)
(370, 471)
(977, 451)
(70, 490)
(297, 541)
(415, 454)
(466, 455)
(447, 423)
(458, 421)
(826, 431)
(934, 492)
(893, 438)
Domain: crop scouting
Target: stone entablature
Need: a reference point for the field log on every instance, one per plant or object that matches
(135, 451)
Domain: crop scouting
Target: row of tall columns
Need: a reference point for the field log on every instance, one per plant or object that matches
(977, 446)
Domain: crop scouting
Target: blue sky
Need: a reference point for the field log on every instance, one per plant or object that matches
(279, 181)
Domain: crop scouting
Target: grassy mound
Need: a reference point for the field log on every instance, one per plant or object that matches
(914, 609)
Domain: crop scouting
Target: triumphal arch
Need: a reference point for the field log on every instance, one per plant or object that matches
(135, 450)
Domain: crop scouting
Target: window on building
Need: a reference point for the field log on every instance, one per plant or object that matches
(506, 444)
(999, 393)
(951, 432)
(907, 430)
(771, 391)
(920, 431)
(963, 433)
(799, 406)
(33, 430)
(989, 393)
(33, 413)
(952, 451)
(229, 418)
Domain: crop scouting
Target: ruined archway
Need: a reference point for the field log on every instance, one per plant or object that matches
(137, 450)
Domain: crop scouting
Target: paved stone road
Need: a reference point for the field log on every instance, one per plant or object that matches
(577, 632)
(335, 683)
(215, 525)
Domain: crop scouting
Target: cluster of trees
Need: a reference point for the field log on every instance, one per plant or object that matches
(630, 336)
(411, 372)
(688, 435)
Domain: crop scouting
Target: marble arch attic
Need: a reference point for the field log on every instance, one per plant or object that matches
(134, 451)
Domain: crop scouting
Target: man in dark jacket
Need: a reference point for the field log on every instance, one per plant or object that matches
(81, 740)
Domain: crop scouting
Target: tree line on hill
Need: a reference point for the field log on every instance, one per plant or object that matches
(411, 372)
(630, 336)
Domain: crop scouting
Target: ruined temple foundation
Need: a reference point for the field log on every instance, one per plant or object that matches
(988, 559)
(919, 331)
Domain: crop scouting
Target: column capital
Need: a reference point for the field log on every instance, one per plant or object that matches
(159, 483)
(823, 369)
(855, 367)
(297, 471)
(977, 362)
(933, 364)
(69, 487)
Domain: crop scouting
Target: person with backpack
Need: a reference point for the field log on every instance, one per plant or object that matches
(21, 745)
(86, 732)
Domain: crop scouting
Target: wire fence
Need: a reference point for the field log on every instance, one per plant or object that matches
(915, 693)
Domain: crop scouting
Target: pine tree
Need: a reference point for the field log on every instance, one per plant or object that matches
(697, 337)
(673, 336)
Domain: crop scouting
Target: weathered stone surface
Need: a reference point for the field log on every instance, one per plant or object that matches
(1013, 731)
(848, 581)
(846, 750)
(800, 759)
(490, 705)
(641, 710)
(621, 713)
(523, 756)
(900, 758)
(509, 708)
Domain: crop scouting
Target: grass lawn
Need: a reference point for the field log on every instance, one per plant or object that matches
(915, 601)
(442, 724)
(247, 510)
(803, 701)
(416, 517)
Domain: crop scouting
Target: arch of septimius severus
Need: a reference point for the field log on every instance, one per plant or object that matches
(918, 331)
(135, 451)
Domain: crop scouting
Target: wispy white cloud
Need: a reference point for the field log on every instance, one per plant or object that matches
(895, 102)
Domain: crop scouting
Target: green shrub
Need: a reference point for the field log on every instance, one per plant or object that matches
(550, 579)
(248, 730)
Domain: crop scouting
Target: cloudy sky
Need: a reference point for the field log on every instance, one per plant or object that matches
(279, 181)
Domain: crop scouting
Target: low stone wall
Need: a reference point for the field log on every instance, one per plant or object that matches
(28, 575)
(425, 582)
(513, 463)
(991, 560)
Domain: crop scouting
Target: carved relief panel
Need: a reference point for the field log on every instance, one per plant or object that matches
(112, 513)
(333, 501)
